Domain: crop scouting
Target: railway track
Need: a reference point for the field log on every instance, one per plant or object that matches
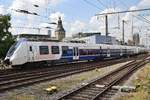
(101, 88)
(12, 80)
(11, 71)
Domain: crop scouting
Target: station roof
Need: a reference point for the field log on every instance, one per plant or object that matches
(80, 34)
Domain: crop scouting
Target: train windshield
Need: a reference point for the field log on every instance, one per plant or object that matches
(13, 48)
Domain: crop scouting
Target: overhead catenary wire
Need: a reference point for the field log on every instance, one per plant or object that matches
(102, 4)
(144, 18)
(138, 17)
(92, 4)
(26, 11)
(125, 11)
(29, 13)
(125, 5)
(38, 28)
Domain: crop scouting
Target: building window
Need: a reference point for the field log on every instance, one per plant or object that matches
(55, 49)
(44, 50)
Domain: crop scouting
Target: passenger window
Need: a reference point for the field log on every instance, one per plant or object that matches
(64, 49)
(43, 50)
(83, 52)
(30, 48)
(55, 49)
(74, 51)
(77, 51)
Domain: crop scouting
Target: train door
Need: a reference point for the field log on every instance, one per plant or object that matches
(100, 51)
(31, 53)
(121, 52)
(108, 52)
(75, 53)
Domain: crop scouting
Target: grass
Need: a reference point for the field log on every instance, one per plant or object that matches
(143, 83)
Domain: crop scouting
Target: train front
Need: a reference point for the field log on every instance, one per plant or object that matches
(16, 53)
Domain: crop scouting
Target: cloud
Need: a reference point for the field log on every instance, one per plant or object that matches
(95, 24)
(144, 3)
(44, 25)
(54, 2)
(30, 5)
(30, 20)
(77, 26)
(54, 16)
(25, 5)
(2, 10)
(70, 27)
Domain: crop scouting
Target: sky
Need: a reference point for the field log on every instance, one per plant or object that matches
(78, 16)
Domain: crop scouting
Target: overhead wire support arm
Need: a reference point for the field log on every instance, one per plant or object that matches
(123, 11)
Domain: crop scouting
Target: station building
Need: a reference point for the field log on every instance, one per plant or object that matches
(93, 38)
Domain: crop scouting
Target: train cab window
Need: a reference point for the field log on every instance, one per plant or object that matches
(30, 48)
(43, 50)
(55, 49)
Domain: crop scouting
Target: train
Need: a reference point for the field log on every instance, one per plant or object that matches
(28, 52)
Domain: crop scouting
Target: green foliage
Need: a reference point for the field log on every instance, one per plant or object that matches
(6, 38)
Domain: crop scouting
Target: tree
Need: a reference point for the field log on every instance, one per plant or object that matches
(6, 38)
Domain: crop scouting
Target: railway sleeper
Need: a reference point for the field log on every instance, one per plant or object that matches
(111, 93)
(103, 98)
(94, 87)
(108, 95)
(83, 95)
(95, 91)
(89, 92)
(77, 98)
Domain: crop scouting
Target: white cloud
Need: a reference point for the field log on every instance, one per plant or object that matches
(144, 3)
(44, 25)
(25, 5)
(2, 10)
(30, 20)
(18, 4)
(93, 25)
(54, 2)
(77, 26)
(54, 16)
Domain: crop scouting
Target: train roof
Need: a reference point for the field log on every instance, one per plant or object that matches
(70, 43)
